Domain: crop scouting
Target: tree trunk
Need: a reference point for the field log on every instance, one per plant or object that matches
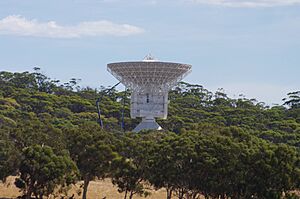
(29, 192)
(36, 195)
(180, 194)
(169, 193)
(187, 196)
(195, 196)
(125, 197)
(85, 187)
(131, 195)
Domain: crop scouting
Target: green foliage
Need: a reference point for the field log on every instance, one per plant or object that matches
(212, 145)
(41, 171)
(223, 163)
(37, 132)
(91, 150)
(293, 99)
(129, 170)
(9, 156)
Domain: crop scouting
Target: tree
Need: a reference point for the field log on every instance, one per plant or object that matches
(9, 156)
(44, 83)
(33, 131)
(41, 171)
(293, 99)
(172, 169)
(126, 176)
(92, 151)
(130, 169)
(220, 147)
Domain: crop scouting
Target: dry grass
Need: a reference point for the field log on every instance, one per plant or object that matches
(8, 190)
(97, 190)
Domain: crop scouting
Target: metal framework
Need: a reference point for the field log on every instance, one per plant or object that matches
(98, 106)
(154, 76)
(150, 81)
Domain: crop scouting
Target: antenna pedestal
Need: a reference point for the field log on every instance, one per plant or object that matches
(147, 124)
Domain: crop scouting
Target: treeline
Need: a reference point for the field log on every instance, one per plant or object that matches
(212, 145)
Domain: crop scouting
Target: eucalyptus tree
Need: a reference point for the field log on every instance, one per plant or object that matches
(9, 156)
(92, 150)
(41, 171)
(130, 169)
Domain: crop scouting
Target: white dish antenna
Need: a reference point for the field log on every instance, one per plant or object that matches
(150, 81)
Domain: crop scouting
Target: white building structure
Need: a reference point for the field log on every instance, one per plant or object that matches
(150, 81)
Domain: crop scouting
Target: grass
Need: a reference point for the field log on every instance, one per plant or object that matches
(96, 190)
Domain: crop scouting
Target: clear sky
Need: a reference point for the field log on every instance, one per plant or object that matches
(249, 47)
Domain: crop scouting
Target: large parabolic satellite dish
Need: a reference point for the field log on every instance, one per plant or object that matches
(149, 81)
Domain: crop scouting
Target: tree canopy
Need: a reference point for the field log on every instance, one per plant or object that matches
(212, 145)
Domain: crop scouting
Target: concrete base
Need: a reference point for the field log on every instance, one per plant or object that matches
(147, 124)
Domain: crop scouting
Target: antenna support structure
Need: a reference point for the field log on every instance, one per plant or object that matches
(150, 81)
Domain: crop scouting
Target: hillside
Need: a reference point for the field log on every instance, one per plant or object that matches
(237, 147)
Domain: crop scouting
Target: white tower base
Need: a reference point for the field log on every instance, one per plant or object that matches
(147, 124)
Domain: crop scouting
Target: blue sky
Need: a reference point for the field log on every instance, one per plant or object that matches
(249, 47)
